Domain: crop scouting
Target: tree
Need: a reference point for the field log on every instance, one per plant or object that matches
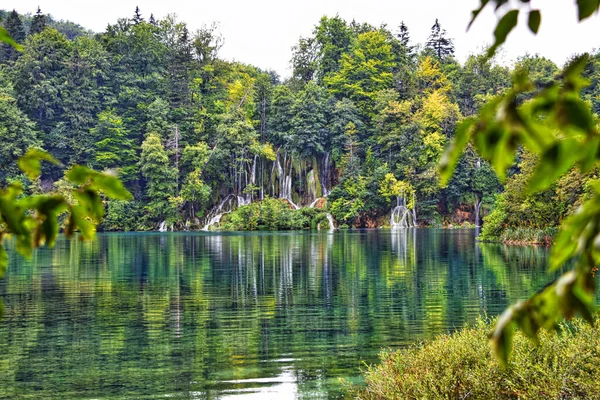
(194, 191)
(365, 70)
(161, 183)
(309, 122)
(14, 27)
(438, 41)
(38, 23)
(280, 116)
(333, 38)
(40, 77)
(305, 59)
(113, 148)
(17, 132)
(403, 34)
(137, 16)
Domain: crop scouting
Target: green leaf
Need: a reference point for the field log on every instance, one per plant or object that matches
(112, 187)
(534, 21)
(79, 175)
(476, 12)
(502, 336)
(453, 152)
(577, 113)
(6, 38)
(554, 162)
(3, 261)
(506, 24)
(586, 8)
(30, 163)
(574, 233)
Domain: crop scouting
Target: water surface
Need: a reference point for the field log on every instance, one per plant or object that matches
(241, 315)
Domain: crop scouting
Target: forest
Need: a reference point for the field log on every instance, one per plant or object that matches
(352, 139)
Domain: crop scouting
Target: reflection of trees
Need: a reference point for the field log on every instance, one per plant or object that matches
(143, 314)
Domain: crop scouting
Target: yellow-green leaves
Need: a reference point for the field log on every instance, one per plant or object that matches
(3, 262)
(30, 163)
(95, 181)
(6, 38)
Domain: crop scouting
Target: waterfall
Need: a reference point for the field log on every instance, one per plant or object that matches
(311, 184)
(243, 201)
(330, 219)
(215, 215)
(314, 203)
(477, 207)
(163, 226)
(402, 216)
(325, 174)
(285, 179)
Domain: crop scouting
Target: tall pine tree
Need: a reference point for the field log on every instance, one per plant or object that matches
(14, 26)
(439, 42)
(39, 22)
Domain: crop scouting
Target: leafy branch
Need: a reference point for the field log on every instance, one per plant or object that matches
(509, 17)
(34, 220)
(559, 127)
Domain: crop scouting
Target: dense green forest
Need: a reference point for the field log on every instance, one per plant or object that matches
(355, 135)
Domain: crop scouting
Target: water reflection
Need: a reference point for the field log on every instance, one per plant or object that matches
(241, 315)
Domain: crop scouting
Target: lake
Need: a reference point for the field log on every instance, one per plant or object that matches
(241, 315)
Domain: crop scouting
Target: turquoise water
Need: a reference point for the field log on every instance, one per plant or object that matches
(241, 315)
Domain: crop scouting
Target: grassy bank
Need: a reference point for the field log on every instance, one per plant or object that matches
(520, 236)
(460, 366)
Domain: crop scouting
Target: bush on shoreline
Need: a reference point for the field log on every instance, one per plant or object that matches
(565, 365)
(273, 215)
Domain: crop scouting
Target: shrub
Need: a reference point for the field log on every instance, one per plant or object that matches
(565, 365)
(271, 214)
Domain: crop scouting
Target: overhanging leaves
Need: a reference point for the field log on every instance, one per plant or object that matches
(506, 24)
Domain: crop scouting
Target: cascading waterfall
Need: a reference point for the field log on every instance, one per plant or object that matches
(215, 215)
(330, 219)
(243, 200)
(311, 184)
(285, 179)
(477, 208)
(402, 216)
(163, 226)
(325, 174)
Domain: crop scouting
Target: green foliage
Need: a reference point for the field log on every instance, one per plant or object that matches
(508, 20)
(160, 176)
(273, 215)
(461, 365)
(558, 126)
(114, 150)
(33, 220)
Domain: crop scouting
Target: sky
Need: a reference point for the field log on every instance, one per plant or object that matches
(262, 32)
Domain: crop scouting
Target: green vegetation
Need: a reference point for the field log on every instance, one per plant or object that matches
(186, 130)
(552, 126)
(563, 365)
(273, 215)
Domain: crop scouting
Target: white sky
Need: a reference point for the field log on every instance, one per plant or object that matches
(262, 32)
